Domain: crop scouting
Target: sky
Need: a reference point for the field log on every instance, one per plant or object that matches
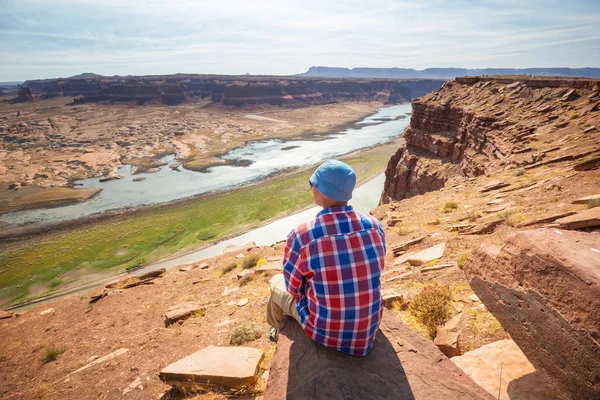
(60, 38)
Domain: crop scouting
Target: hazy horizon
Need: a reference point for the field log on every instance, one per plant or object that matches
(61, 38)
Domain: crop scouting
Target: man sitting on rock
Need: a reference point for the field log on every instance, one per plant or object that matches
(331, 269)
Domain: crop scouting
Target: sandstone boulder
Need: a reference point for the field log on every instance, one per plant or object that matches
(544, 287)
(229, 367)
(502, 368)
(401, 365)
(273, 266)
(405, 245)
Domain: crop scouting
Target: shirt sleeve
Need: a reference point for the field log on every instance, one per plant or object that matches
(292, 266)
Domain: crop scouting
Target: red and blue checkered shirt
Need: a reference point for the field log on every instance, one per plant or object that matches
(332, 266)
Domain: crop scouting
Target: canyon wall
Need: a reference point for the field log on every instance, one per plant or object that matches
(232, 91)
(474, 125)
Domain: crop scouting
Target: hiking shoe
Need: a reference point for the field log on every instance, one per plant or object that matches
(272, 334)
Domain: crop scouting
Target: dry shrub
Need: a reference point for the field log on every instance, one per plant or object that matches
(431, 307)
(450, 205)
(474, 215)
(51, 353)
(250, 261)
(245, 332)
(228, 268)
(462, 258)
(512, 217)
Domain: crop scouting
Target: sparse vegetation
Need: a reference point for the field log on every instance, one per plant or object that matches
(206, 235)
(228, 268)
(244, 333)
(55, 283)
(250, 261)
(261, 262)
(519, 172)
(462, 258)
(431, 307)
(450, 206)
(474, 215)
(512, 217)
(574, 116)
(51, 353)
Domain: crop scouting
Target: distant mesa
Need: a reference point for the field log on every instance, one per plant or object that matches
(444, 73)
(227, 90)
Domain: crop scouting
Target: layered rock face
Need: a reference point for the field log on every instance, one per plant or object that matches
(234, 91)
(544, 287)
(475, 125)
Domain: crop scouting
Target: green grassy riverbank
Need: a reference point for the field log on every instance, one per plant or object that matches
(49, 262)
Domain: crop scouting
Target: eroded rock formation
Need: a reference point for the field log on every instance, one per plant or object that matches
(234, 91)
(475, 125)
(544, 287)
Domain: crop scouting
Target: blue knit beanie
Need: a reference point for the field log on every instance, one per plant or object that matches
(335, 180)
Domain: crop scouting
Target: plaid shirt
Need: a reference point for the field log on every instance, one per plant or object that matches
(332, 267)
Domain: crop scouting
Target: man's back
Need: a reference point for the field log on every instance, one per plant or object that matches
(332, 266)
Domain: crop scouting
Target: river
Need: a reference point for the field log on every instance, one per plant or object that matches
(264, 158)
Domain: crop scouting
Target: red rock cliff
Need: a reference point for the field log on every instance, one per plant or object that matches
(472, 126)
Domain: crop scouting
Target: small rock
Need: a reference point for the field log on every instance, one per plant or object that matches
(228, 291)
(5, 314)
(139, 179)
(239, 256)
(494, 185)
(242, 302)
(152, 170)
(474, 298)
(136, 383)
(180, 312)
(47, 311)
(274, 266)
(244, 273)
(204, 265)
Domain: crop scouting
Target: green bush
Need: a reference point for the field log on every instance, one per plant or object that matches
(206, 235)
(431, 307)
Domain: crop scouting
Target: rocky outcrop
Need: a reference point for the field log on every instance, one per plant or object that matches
(401, 365)
(544, 288)
(234, 91)
(472, 126)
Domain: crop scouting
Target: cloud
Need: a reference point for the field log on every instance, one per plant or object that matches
(62, 37)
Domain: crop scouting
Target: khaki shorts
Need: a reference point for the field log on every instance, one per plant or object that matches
(280, 303)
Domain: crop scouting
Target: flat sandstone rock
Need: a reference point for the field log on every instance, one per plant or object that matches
(229, 367)
(180, 311)
(427, 255)
(585, 219)
(502, 368)
(401, 365)
(543, 286)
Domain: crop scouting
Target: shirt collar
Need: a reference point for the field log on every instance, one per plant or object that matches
(336, 209)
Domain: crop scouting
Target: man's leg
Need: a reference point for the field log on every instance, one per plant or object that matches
(280, 303)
